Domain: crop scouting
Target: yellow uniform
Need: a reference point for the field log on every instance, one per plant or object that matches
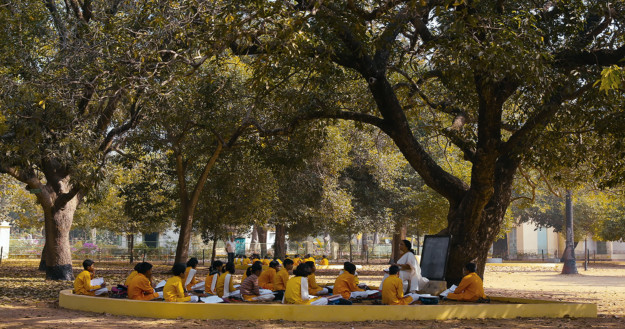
(293, 292)
(393, 292)
(173, 291)
(313, 288)
(266, 261)
(470, 289)
(280, 280)
(309, 259)
(140, 288)
(82, 284)
(130, 276)
(265, 280)
(245, 261)
(279, 261)
(296, 261)
(193, 280)
(255, 260)
(345, 284)
(324, 262)
(209, 282)
(221, 284)
(237, 261)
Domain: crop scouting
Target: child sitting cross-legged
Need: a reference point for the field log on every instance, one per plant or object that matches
(250, 290)
(82, 283)
(225, 283)
(346, 284)
(174, 290)
(393, 289)
(297, 288)
(140, 287)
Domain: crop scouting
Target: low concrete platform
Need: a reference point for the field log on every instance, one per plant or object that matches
(502, 308)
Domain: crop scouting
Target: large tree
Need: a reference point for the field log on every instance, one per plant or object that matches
(490, 76)
(73, 77)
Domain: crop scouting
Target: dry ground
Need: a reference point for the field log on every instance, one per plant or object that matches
(26, 300)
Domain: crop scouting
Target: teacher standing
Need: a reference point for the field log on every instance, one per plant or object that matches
(410, 271)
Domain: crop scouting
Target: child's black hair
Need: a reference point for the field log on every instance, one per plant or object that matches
(258, 266)
(248, 272)
(137, 267)
(349, 267)
(310, 263)
(178, 269)
(471, 267)
(302, 270)
(274, 264)
(216, 267)
(394, 269)
(192, 262)
(288, 261)
(324, 256)
(143, 267)
(86, 263)
(229, 268)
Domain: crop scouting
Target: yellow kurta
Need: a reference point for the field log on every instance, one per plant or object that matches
(309, 259)
(345, 284)
(255, 260)
(140, 288)
(130, 276)
(393, 292)
(293, 292)
(324, 262)
(281, 279)
(279, 261)
(313, 287)
(209, 282)
(173, 290)
(470, 289)
(193, 280)
(266, 262)
(265, 280)
(221, 284)
(245, 261)
(296, 261)
(82, 284)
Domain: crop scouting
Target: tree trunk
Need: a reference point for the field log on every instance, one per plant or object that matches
(254, 242)
(58, 260)
(350, 248)
(569, 254)
(365, 247)
(131, 247)
(262, 239)
(214, 252)
(184, 239)
(42, 262)
(399, 233)
(280, 244)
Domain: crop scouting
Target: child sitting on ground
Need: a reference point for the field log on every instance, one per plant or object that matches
(189, 274)
(213, 276)
(250, 290)
(174, 290)
(324, 261)
(346, 284)
(393, 289)
(313, 288)
(82, 283)
(140, 287)
(281, 279)
(131, 275)
(265, 280)
(225, 283)
(471, 288)
(297, 288)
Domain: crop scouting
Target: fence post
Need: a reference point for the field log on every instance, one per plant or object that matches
(1, 251)
(542, 251)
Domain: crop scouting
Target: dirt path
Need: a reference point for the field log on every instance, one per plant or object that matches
(26, 301)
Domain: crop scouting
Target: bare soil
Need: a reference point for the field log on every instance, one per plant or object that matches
(26, 300)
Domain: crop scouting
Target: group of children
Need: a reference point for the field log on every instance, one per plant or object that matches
(274, 283)
(245, 261)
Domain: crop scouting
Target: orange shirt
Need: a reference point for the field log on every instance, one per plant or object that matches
(265, 280)
(325, 262)
(393, 292)
(82, 284)
(313, 287)
(193, 280)
(345, 284)
(281, 279)
(140, 288)
(470, 289)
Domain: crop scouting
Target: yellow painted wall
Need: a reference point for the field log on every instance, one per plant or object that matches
(334, 313)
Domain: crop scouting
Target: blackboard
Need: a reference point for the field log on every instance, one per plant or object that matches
(434, 257)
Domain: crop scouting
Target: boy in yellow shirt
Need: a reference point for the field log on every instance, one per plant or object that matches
(346, 284)
(393, 289)
(174, 290)
(313, 287)
(471, 288)
(191, 265)
(82, 283)
(324, 261)
(266, 278)
(210, 284)
(297, 288)
(225, 283)
(266, 260)
(281, 279)
(140, 287)
(131, 275)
